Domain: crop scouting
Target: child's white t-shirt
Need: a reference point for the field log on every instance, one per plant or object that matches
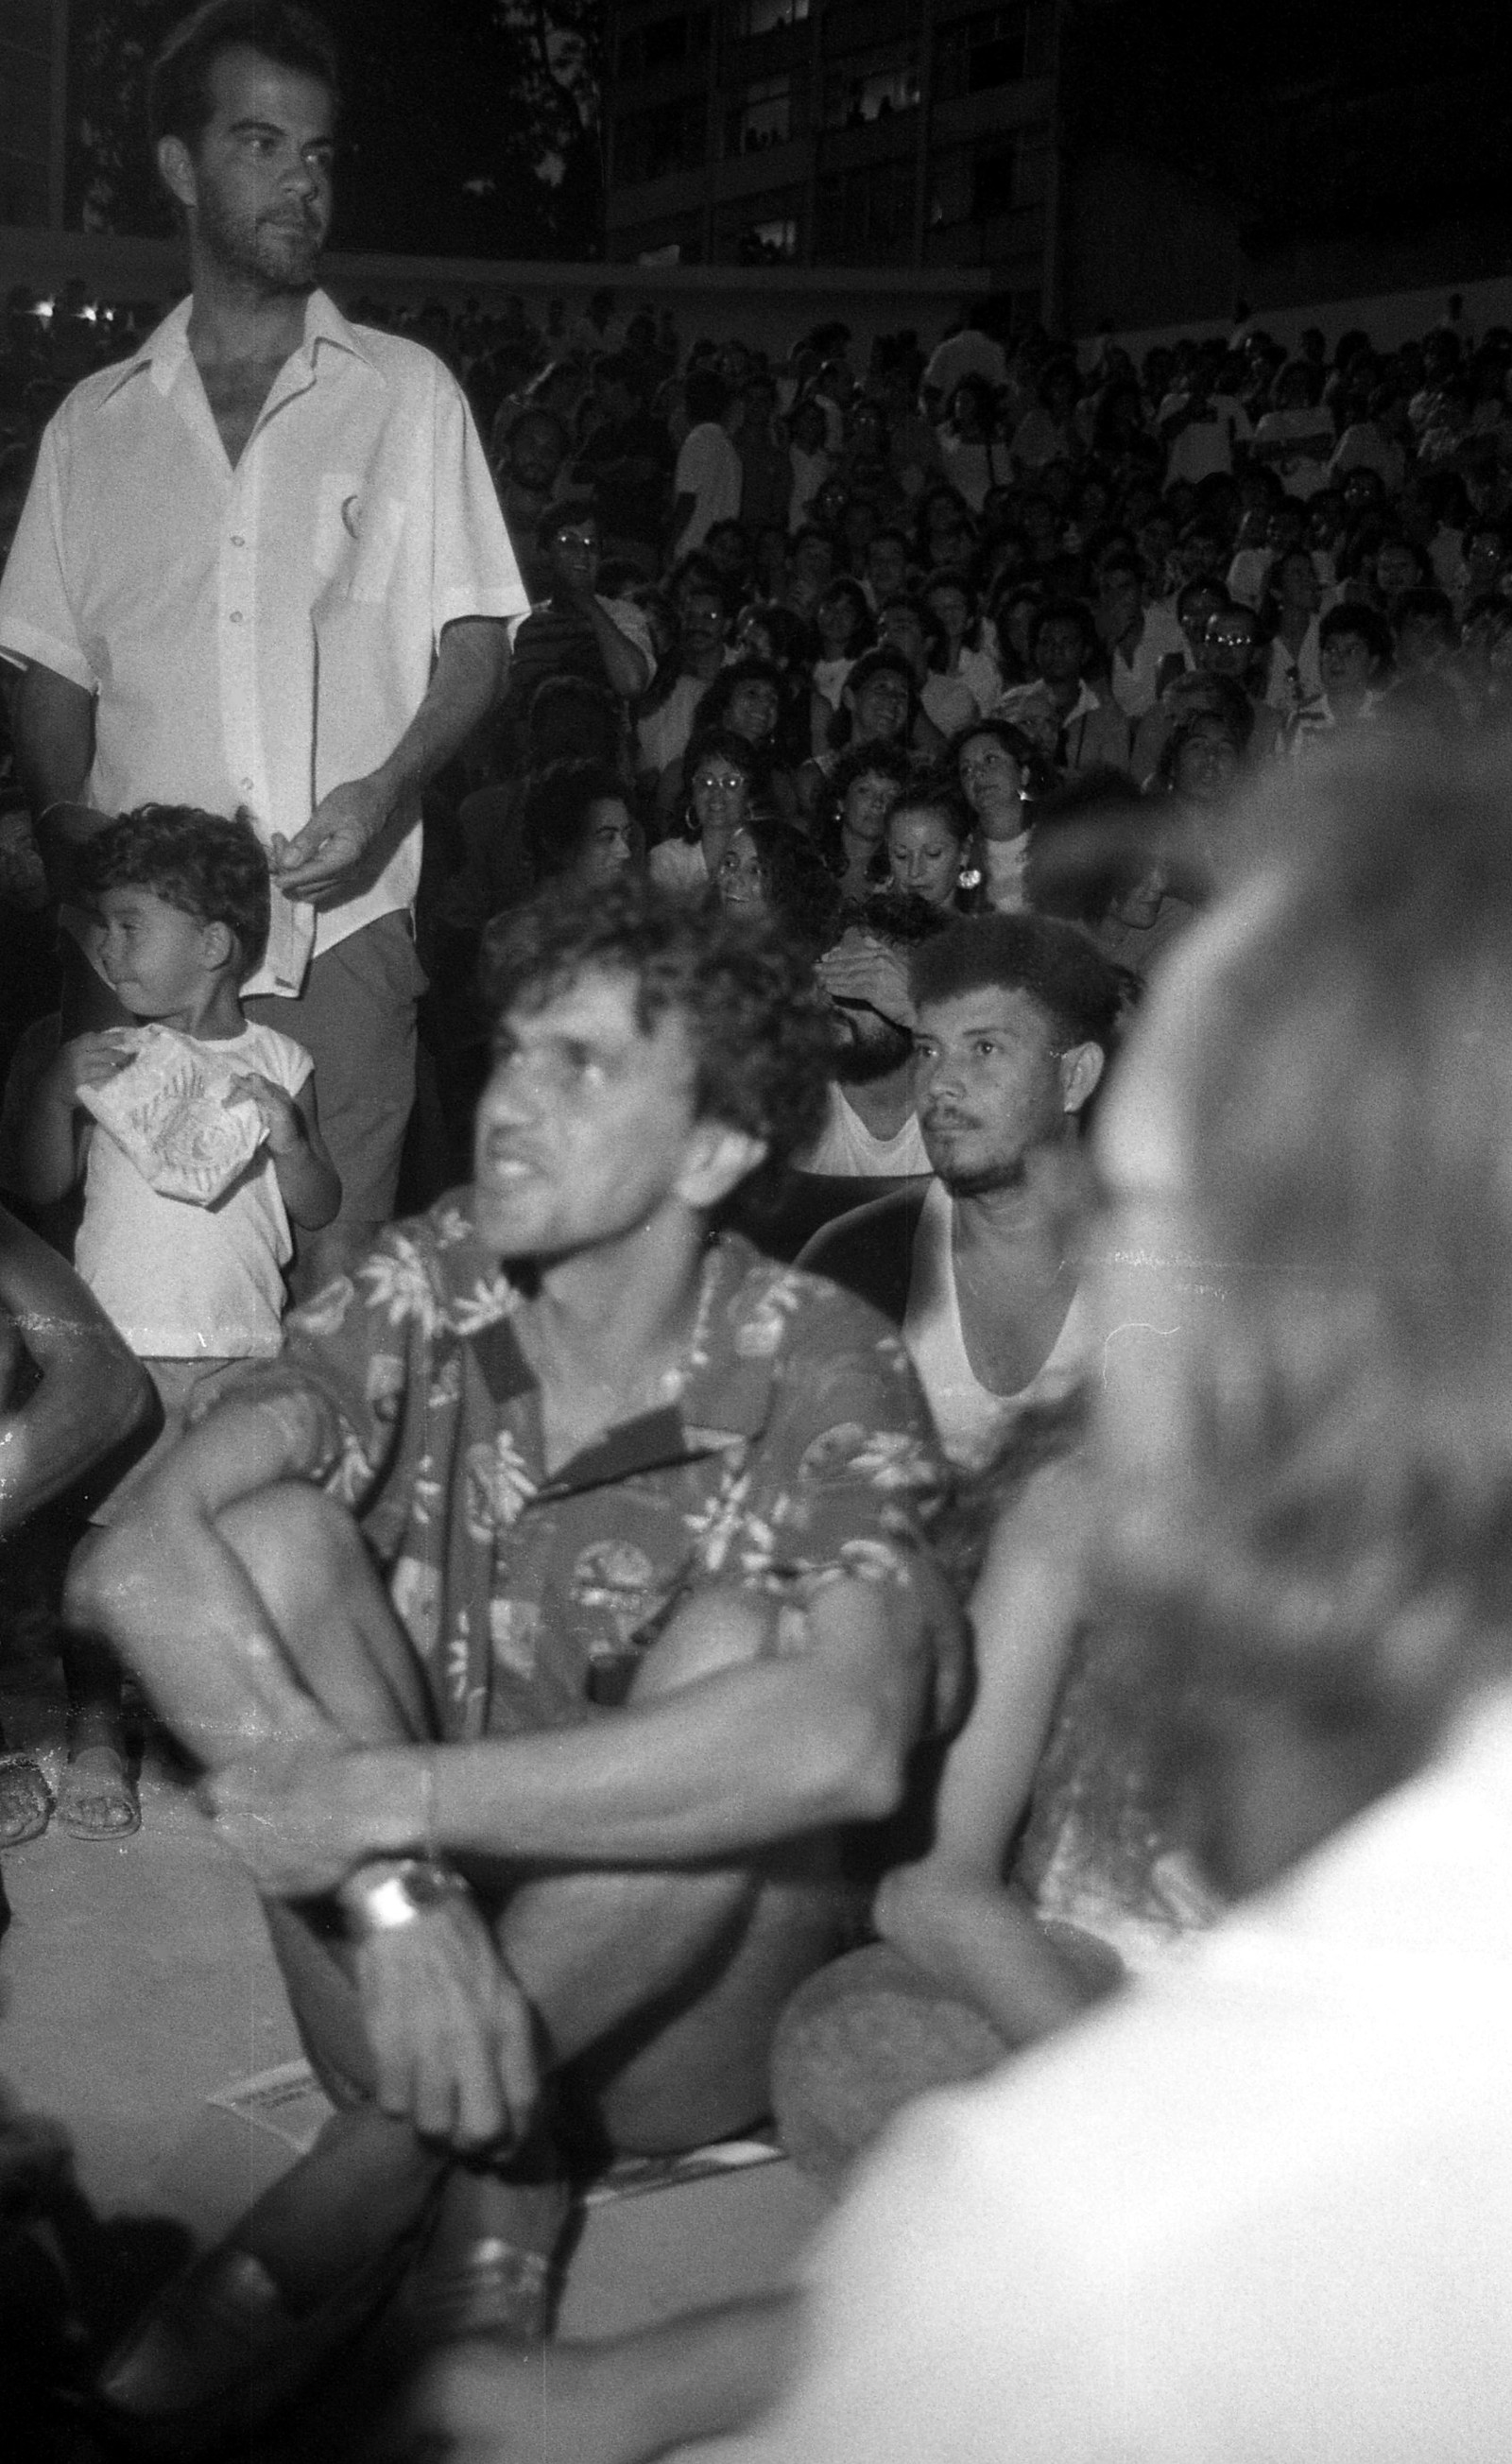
(185, 1282)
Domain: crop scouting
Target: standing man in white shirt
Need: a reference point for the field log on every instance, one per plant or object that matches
(262, 566)
(709, 477)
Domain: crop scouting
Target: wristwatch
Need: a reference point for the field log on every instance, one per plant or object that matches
(393, 1891)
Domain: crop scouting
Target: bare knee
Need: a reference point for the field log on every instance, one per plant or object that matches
(302, 1551)
(720, 1628)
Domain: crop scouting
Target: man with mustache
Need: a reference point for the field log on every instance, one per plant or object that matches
(262, 566)
(1016, 1017)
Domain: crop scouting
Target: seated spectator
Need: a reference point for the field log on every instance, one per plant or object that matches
(1047, 433)
(810, 459)
(1312, 1674)
(650, 1057)
(668, 713)
(1296, 439)
(576, 825)
(850, 818)
(721, 784)
(872, 1130)
(574, 631)
(706, 480)
(887, 567)
(1229, 650)
(567, 720)
(1201, 426)
(528, 459)
(1289, 619)
(770, 869)
(879, 705)
(999, 770)
(626, 462)
(1354, 655)
(745, 697)
(1073, 726)
(1203, 762)
(973, 455)
(811, 569)
(904, 625)
(928, 844)
(1015, 1017)
(843, 623)
(1136, 637)
(953, 601)
(766, 467)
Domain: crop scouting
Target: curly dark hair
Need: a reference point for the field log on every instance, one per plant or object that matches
(865, 761)
(208, 866)
(554, 816)
(1079, 990)
(757, 1024)
(803, 892)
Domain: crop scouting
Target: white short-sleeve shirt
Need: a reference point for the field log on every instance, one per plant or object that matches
(256, 636)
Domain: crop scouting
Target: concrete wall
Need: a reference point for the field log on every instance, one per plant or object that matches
(1158, 254)
(768, 307)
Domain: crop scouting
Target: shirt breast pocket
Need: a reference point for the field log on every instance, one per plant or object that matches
(357, 536)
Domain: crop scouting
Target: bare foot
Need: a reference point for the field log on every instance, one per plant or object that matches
(95, 1797)
(25, 1800)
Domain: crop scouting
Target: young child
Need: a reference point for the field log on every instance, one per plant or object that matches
(181, 899)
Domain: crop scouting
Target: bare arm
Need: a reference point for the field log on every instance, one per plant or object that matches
(308, 1181)
(51, 1156)
(625, 666)
(703, 2375)
(748, 1754)
(465, 683)
(52, 727)
(93, 1392)
(951, 1912)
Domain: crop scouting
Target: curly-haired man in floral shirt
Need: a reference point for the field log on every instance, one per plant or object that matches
(540, 1616)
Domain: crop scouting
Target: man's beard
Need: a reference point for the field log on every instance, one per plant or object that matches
(986, 1181)
(278, 260)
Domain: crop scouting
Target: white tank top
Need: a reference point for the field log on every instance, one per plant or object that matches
(969, 1418)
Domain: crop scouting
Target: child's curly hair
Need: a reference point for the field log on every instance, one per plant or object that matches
(211, 868)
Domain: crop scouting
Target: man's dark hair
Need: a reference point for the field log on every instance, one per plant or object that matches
(1060, 970)
(554, 815)
(1064, 611)
(180, 101)
(209, 867)
(705, 395)
(759, 1027)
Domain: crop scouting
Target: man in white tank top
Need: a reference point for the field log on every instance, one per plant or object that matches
(1016, 1017)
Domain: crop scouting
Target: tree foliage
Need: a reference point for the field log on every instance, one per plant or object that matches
(470, 129)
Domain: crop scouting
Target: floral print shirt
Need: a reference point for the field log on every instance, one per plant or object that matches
(799, 1446)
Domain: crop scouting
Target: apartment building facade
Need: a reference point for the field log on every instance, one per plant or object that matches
(915, 134)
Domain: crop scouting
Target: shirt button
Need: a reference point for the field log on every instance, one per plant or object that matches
(236, 616)
(237, 539)
(247, 786)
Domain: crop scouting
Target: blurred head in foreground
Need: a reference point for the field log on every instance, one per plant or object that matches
(1306, 1263)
